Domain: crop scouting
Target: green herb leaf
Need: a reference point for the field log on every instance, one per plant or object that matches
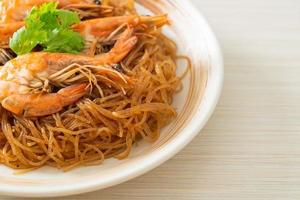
(64, 41)
(42, 16)
(21, 37)
(67, 18)
(49, 28)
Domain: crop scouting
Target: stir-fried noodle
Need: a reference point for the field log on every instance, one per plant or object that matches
(128, 102)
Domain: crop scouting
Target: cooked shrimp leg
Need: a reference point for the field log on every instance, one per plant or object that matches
(35, 105)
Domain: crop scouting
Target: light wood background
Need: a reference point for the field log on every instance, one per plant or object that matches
(250, 149)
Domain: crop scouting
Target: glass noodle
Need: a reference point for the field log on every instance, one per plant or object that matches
(111, 118)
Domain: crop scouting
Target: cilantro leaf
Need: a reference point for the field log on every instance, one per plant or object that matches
(67, 18)
(44, 15)
(20, 37)
(49, 28)
(64, 40)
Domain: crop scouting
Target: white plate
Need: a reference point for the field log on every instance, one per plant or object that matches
(195, 104)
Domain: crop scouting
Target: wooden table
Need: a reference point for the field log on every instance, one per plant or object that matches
(250, 149)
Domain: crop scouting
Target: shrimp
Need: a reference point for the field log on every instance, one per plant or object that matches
(17, 99)
(94, 28)
(104, 26)
(16, 10)
(39, 62)
(36, 105)
(20, 75)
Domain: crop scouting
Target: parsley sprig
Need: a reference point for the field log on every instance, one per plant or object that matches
(50, 28)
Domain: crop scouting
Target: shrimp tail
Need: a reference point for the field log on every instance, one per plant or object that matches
(71, 94)
(158, 21)
(123, 46)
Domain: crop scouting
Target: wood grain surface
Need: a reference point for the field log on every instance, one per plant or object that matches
(250, 149)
